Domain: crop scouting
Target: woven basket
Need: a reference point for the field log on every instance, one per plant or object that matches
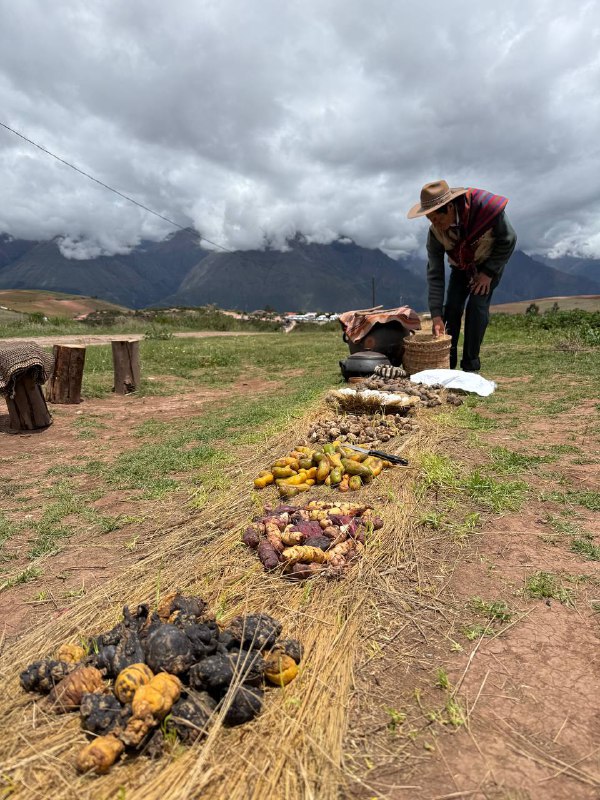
(426, 351)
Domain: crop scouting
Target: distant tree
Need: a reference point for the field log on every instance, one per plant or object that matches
(533, 309)
(269, 309)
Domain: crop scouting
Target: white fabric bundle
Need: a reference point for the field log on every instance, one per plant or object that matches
(455, 379)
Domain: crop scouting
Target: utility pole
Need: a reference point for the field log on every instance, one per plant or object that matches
(373, 292)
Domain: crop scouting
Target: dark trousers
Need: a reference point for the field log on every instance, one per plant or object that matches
(476, 319)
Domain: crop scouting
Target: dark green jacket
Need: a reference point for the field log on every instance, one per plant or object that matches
(505, 240)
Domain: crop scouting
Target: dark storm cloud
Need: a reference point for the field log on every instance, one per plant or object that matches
(255, 120)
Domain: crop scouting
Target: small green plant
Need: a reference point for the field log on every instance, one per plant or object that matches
(438, 472)
(442, 680)
(466, 417)
(556, 406)
(498, 496)
(562, 449)
(562, 527)
(585, 547)
(433, 519)
(48, 530)
(546, 586)
(221, 606)
(132, 543)
(7, 528)
(589, 500)
(509, 462)
(473, 632)
(168, 731)
(106, 523)
(471, 522)
(396, 719)
(496, 611)
(29, 574)
(307, 590)
(454, 712)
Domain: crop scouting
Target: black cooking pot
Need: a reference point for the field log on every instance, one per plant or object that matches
(361, 365)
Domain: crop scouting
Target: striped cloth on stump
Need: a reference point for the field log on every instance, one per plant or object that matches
(15, 359)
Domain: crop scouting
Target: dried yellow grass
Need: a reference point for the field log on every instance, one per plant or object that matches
(294, 749)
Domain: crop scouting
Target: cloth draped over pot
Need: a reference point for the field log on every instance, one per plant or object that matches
(357, 324)
(15, 359)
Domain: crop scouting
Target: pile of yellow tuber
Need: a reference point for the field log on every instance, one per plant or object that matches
(334, 465)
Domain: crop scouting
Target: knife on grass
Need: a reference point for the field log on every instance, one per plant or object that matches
(378, 453)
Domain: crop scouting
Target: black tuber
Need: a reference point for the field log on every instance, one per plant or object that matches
(101, 713)
(245, 704)
(191, 715)
(255, 631)
(168, 649)
(322, 542)
(291, 648)
(42, 676)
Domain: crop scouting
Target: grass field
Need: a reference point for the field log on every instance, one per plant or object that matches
(456, 660)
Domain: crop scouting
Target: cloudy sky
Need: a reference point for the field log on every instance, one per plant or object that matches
(254, 119)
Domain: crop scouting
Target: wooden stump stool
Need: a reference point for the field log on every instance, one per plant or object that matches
(64, 385)
(126, 364)
(27, 408)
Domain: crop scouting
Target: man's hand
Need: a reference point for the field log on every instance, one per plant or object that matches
(480, 284)
(437, 326)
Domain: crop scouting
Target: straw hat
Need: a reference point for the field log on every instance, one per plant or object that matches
(434, 195)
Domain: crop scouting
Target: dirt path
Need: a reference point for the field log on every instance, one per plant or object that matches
(107, 338)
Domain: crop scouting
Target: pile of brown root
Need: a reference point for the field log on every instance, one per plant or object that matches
(172, 671)
(319, 538)
(371, 429)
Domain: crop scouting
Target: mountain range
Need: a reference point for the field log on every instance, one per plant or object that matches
(178, 271)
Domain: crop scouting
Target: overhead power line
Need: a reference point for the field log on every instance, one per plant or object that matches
(116, 191)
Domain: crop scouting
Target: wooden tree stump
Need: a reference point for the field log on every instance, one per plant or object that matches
(27, 409)
(126, 364)
(64, 385)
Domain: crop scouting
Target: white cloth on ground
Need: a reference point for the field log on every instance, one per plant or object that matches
(455, 379)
